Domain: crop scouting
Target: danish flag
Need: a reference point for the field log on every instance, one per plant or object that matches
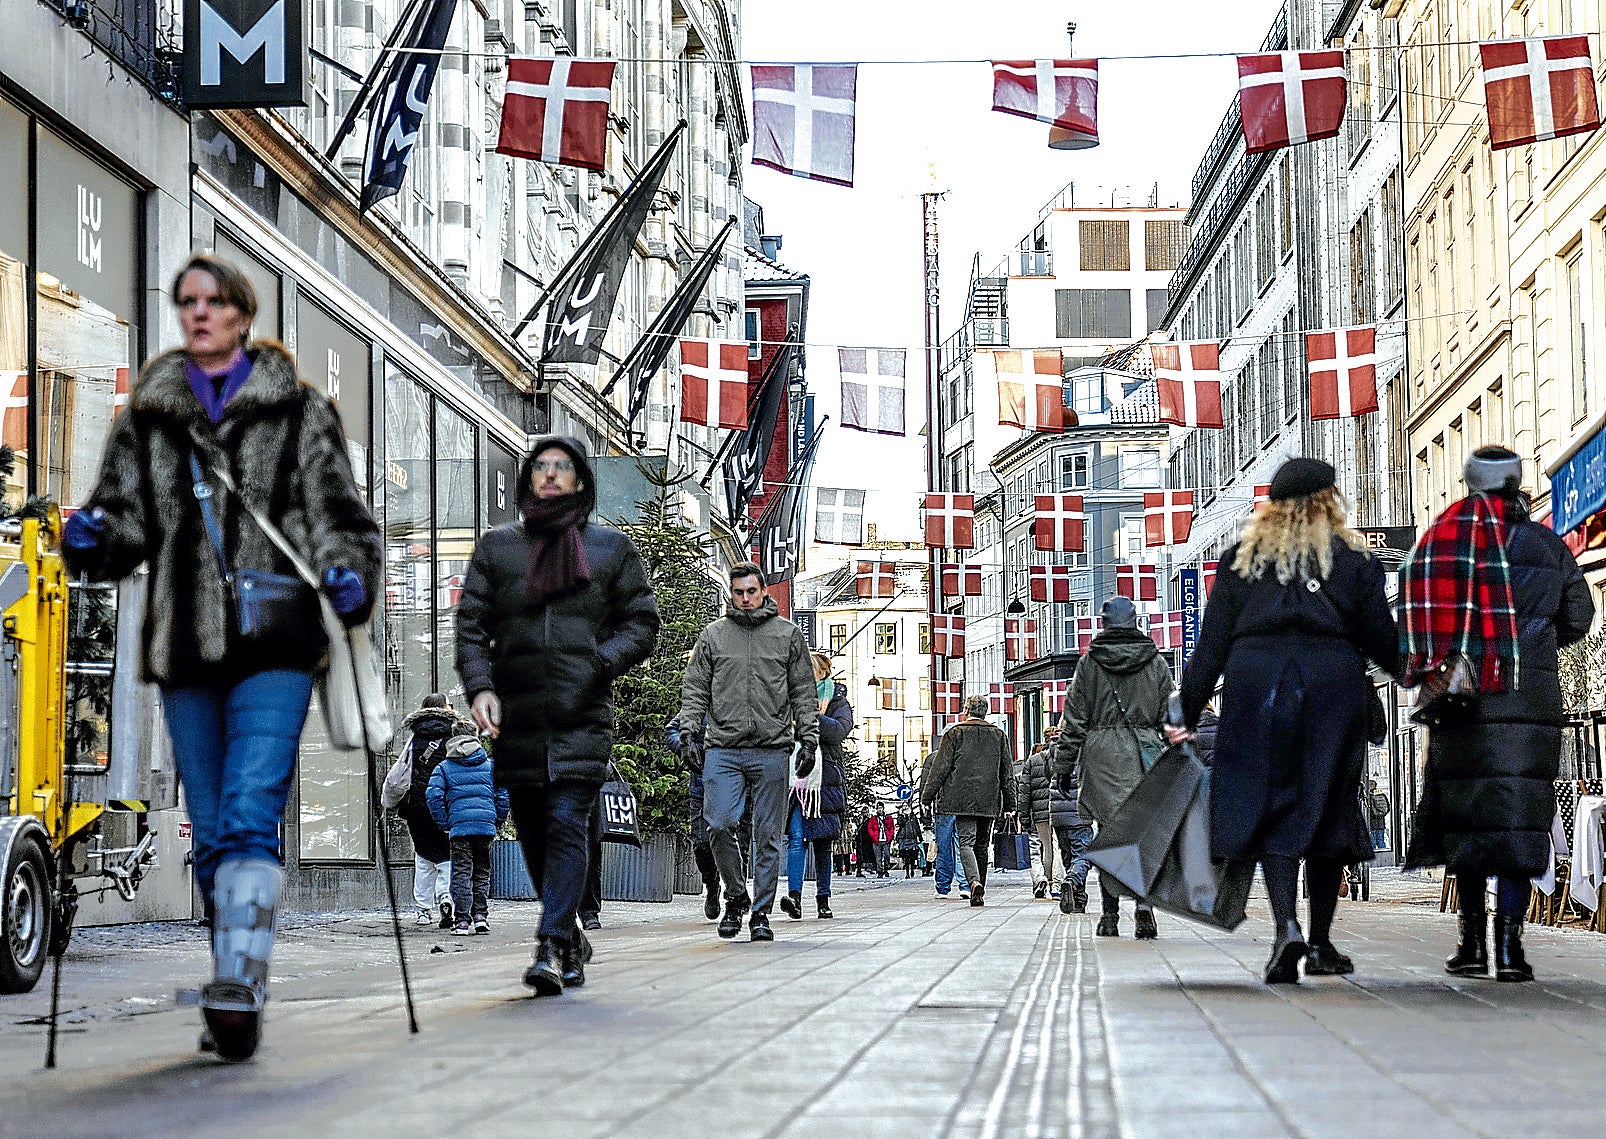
(1538, 89)
(1289, 97)
(1050, 583)
(875, 579)
(1167, 517)
(1054, 694)
(803, 120)
(1140, 582)
(1060, 523)
(1020, 638)
(120, 391)
(1063, 92)
(1031, 389)
(949, 698)
(1207, 574)
(957, 579)
(948, 634)
(1166, 629)
(713, 383)
(1187, 379)
(1001, 699)
(1343, 372)
(15, 431)
(951, 521)
(1262, 495)
(1086, 629)
(555, 110)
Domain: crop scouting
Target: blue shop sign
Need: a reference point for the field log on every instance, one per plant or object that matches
(1193, 602)
(1578, 488)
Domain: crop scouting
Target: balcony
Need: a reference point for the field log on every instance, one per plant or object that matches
(1034, 263)
(992, 333)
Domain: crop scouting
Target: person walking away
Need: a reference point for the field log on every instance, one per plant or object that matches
(945, 864)
(817, 807)
(466, 803)
(750, 675)
(863, 849)
(1297, 610)
(909, 841)
(1040, 853)
(973, 779)
(1110, 734)
(431, 725)
(1052, 810)
(882, 829)
(555, 607)
(211, 429)
(1488, 587)
(1377, 815)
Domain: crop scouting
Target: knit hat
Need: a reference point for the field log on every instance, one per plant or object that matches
(1493, 470)
(1298, 477)
(1120, 613)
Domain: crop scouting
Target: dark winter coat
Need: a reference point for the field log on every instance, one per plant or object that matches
(1205, 743)
(281, 442)
(836, 722)
(463, 797)
(1049, 802)
(1118, 697)
(973, 772)
(751, 680)
(553, 664)
(431, 728)
(1488, 790)
(909, 836)
(1295, 708)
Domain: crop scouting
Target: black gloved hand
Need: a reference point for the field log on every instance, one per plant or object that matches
(691, 752)
(805, 762)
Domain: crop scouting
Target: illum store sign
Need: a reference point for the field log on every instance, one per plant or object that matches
(245, 53)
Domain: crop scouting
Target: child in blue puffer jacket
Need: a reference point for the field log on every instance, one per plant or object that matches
(466, 803)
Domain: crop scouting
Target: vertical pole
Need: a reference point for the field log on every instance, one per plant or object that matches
(928, 217)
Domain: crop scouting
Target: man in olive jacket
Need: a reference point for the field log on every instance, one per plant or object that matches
(972, 777)
(1112, 717)
(751, 677)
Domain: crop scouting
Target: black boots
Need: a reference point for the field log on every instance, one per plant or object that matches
(822, 906)
(1109, 925)
(792, 905)
(735, 909)
(545, 974)
(1324, 960)
(977, 893)
(1145, 929)
(1510, 964)
(1286, 953)
(758, 929)
(1471, 958)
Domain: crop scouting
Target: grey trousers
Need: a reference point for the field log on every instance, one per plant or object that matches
(733, 780)
(975, 834)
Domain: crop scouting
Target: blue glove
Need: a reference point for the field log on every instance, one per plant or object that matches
(344, 588)
(84, 529)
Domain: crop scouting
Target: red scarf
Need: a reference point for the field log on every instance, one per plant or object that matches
(558, 561)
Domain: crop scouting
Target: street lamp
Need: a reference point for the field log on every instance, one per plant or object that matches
(1015, 608)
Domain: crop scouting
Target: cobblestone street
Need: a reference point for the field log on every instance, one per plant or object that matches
(904, 1017)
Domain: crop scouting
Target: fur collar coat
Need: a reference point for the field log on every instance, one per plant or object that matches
(282, 443)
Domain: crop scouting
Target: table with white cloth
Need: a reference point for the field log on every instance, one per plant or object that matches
(1589, 851)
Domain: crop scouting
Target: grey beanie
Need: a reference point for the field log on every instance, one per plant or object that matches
(1120, 613)
(1493, 470)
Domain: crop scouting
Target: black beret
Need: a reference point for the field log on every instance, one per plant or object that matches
(1298, 477)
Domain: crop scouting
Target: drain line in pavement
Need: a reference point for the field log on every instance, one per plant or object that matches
(1017, 1042)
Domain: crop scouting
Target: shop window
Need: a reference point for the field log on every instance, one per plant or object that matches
(455, 531)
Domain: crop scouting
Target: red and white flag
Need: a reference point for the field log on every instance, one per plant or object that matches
(1060, 523)
(713, 383)
(1031, 389)
(121, 390)
(1290, 97)
(1140, 582)
(959, 579)
(1020, 638)
(1187, 380)
(1343, 372)
(555, 110)
(1086, 629)
(1001, 699)
(803, 120)
(1063, 92)
(948, 698)
(1166, 629)
(1050, 583)
(875, 579)
(951, 521)
(1207, 575)
(15, 431)
(1054, 694)
(1262, 495)
(1538, 89)
(948, 634)
(1167, 517)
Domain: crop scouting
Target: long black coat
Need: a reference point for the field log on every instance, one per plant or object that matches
(553, 665)
(835, 724)
(1488, 791)
(429, 726)
(1291, 743)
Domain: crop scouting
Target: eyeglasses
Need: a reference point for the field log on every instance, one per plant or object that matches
(556, 466)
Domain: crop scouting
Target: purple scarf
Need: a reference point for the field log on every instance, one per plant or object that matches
(206, 391)
(558, 561)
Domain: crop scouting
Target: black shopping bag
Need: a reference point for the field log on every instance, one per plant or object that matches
(621, 822)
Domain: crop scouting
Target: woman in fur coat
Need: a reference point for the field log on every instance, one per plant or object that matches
(211, 427)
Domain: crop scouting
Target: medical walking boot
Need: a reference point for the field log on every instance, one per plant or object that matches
(1510, 963)
(1471, 957)
(244, 899)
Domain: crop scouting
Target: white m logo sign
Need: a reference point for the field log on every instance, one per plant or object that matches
(267, 35)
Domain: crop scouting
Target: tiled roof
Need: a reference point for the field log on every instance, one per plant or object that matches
(757, 267)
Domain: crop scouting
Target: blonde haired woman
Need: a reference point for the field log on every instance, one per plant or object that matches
(1296, 610)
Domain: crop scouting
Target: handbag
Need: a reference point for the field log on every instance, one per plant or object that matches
(351, 691)
(1150, 747)
(1448, 695)
(621, 822)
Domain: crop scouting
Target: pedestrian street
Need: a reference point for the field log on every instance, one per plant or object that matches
(904, 1016)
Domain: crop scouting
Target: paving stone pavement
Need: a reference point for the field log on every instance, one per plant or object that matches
(905, 1016)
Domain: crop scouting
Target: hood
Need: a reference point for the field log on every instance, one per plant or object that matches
(466, 749)
(582, 466)
(752, 617)
(840, 692)
(432, 720)
(1122, 650)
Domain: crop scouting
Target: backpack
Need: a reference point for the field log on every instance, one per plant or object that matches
(399, 779)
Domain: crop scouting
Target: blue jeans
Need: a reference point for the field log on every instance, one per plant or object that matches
(947, 854)
(554, 825)
(797, 856)
(236, 750)
(1073, 844)
(1380, 838)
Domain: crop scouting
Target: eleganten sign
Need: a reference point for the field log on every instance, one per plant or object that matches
(245, 53)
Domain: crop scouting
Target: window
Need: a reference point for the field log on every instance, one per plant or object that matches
(1163, 245)
(892, 699)
(1361, 288)
(1092, 313)
(1073, 471)
(1399, 452)
(1266, 399)
(1368, 487)
(839, 638)
(1106, 246)
(1392, 268)
(1224, 314)
(886, 749)
(753, 335)
(1087, 392)
(1140, 469)
(1265, 239)
(925, 639)
(1229, 432)
(1243, 270)
(924, 690)
(1130, 538)
(1285, 195)
(1156, 301)
(1575, 337)
(1359, 119)
(886, 637)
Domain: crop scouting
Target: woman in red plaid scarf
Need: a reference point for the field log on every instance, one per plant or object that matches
(1493, 595)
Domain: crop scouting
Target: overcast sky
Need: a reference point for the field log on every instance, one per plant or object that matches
(862, 246)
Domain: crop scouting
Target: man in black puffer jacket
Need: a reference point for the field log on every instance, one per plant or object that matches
(554, 608)
(1055, 812)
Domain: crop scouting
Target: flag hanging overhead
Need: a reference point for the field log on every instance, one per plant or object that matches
(713, 383)
(1167, 517)
(1343, 372)
(398, 111)
(872, 389)
(1063, 92)
(555, 110)
(1020, 639)
(1207, 575)
(1538, 89)
(1289, 97)
(1260, 496)
(745, 463)
(1049, 583)
(960, 580)
(1031, 389)
(1166, 630)
(1060, 523)
(1086, 629)
(948, 634)
(1137, 582)
(1054, 694)
(839, 517)
(875, 579)
(803, 120)
(1187, 380)
(951, 521)
(948, 698)
(1001, 698)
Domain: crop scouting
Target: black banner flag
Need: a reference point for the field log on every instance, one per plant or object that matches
(403, 97)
